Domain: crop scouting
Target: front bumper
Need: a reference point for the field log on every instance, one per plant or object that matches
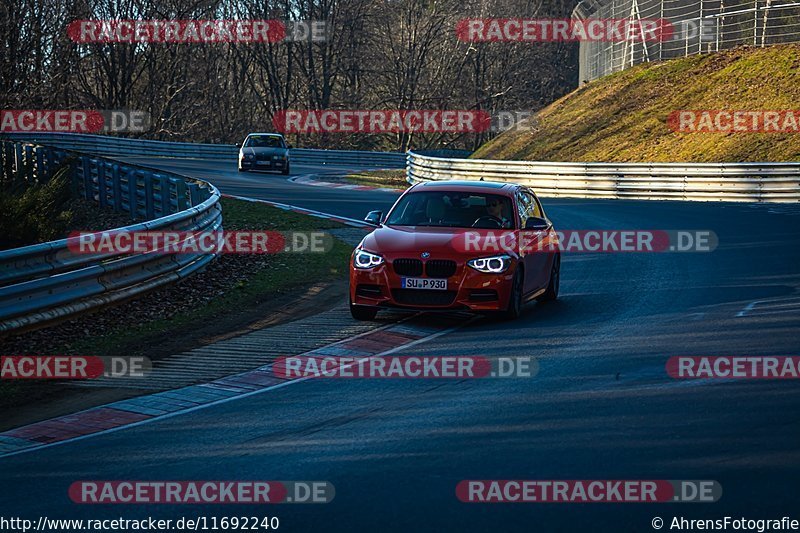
(264, 164)
(467, 289)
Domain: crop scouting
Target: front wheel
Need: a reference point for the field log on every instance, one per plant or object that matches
(363, 312)
(514, 308)
(242, 170)
(555, 281)
(285, 171)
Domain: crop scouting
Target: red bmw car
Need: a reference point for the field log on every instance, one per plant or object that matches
(454, 245)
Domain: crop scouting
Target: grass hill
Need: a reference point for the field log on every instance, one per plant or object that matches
(623, 117)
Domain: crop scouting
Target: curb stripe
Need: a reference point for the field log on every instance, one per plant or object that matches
(136, 411)
(305, 180)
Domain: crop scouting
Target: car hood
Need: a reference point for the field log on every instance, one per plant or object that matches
(264, 151)
(414, 240)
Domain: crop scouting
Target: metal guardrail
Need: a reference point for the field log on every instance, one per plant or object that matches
(107, 145)
(348, 157)
(47, 282)
(743, 182)
(121, 147)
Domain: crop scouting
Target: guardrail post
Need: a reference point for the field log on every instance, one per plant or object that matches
(29, 163)
(8, 162)
(18, 162)
(180, 195)
(74, 178)
(39, 162)
(149, 211)
(101, 184)
(133, 195)
(196, 194)
(86, 171)
(164, 183)
(116, 199)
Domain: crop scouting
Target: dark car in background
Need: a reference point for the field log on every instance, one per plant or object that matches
(264, 151)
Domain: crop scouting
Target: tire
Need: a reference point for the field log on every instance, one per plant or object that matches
(285, 171)
(242, 170)
(551, 294)
(514, 308)
(363, 312)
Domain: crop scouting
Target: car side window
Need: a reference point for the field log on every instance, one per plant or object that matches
(536, 207)
(523, 205)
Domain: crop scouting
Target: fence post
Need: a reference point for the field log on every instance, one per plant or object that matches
(755, 23)
(700, 30)
(764, 28)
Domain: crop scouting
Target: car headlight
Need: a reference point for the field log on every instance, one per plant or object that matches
(491, 265)
(278, 157)
(249, 156)
(364, 259)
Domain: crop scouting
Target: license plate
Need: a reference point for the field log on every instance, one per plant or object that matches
(424, 283)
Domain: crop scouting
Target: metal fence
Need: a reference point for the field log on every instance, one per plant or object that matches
(697, 26)
(122, 147)
(745, 182)
(49, 281)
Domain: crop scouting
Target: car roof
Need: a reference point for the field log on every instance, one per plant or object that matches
(267, 134)
(468, 186)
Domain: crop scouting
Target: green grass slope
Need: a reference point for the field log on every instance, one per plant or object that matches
(623, 116)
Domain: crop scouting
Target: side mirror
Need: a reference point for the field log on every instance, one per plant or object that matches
(374, 218)
(536, 224)
(238, 145)
(289, 146)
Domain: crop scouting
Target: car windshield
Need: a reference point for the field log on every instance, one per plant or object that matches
(264, 141)
(453, 209)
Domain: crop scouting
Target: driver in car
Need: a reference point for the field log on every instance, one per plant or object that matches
(494, 208)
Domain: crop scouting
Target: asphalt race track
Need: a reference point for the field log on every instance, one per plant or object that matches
(602, 406)
(274, 186)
